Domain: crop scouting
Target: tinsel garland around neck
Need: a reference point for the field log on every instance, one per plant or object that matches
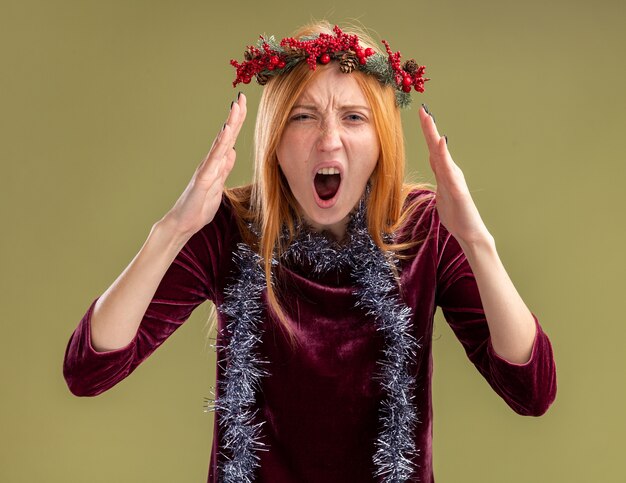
(376, 293)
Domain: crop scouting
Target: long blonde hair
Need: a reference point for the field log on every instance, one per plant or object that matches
(268, 201)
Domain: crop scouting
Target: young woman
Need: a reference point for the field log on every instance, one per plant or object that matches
(326, 272)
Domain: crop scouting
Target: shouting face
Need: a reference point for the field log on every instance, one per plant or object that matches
(329, 149)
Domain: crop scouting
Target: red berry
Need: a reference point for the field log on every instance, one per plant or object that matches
(280, 64)
(369, 51)
(362, 60)
(406, 88)
(325, 58)
(274, 60)
(407, 81)
(246, 80)
(271, 67)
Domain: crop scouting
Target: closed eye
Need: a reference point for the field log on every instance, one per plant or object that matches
(301, 117)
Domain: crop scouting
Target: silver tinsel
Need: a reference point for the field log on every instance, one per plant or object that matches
(241, 379)
(371, 270)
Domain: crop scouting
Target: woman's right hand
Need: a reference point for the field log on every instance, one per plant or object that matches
(202, 197)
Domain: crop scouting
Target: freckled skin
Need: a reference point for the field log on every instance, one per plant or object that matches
(331, 121)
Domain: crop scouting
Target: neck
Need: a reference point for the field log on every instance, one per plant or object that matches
(337, 230)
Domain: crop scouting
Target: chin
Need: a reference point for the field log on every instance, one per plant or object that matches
(327, 218)
(328, 209)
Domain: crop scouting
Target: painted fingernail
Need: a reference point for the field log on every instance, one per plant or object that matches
(446, 139)
(231, 105)
(428, 112)
(238, 95)
(224, 126)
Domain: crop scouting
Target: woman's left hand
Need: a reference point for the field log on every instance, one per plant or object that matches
(455, 205)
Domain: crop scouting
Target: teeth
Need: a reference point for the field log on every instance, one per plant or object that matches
(328, 171)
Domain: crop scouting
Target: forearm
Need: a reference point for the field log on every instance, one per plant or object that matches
(119, 311)
(511, 324)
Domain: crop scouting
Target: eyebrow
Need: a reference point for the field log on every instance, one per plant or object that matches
(348, 106)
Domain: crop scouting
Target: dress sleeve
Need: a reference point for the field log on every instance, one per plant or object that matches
(192, 278)
(529, 388)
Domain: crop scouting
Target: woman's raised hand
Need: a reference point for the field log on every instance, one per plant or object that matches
(454, 203)
(202, 197)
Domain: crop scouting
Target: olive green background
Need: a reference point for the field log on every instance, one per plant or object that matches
(106, 109)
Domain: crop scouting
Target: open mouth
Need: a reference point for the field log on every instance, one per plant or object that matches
(327, 181)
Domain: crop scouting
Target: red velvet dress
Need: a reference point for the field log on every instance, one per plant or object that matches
(320, 403)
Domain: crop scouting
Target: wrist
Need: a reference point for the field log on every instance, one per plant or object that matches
(480, 244)
(168, 231)
(478, 241)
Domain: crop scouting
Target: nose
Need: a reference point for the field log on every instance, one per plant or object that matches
(329, 138)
